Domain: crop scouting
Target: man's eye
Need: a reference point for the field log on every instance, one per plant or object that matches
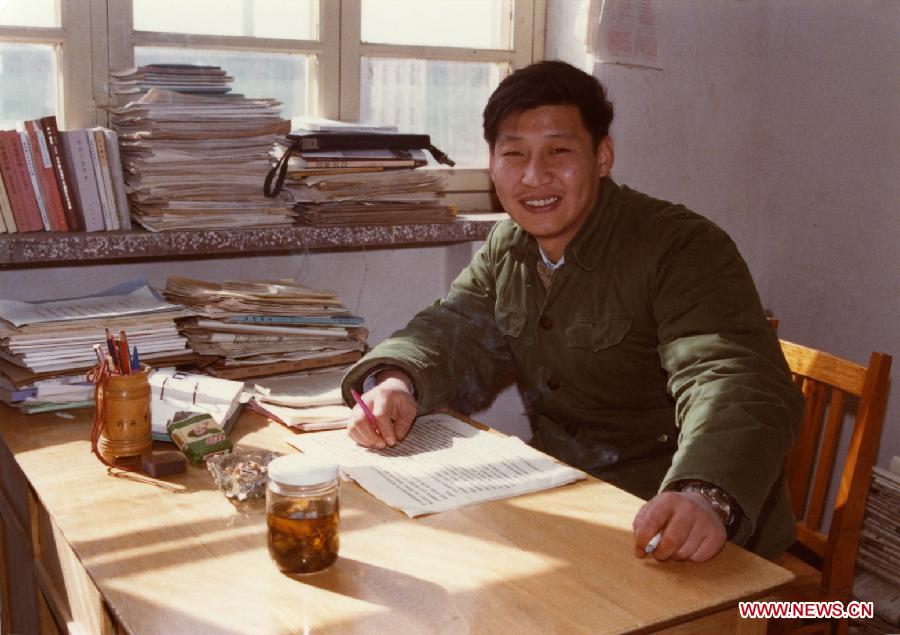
(559, 150)
(511, 153)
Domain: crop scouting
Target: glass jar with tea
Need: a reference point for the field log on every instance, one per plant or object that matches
(302, 513)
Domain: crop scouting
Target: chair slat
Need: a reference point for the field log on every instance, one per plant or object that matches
(801, 459)
(826, 368)
(825, 461)
(812, 539)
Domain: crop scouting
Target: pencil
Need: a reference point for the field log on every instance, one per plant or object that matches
(371, 417)
(123, 353)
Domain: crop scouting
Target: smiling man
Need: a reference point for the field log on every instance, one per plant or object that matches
(632, 325)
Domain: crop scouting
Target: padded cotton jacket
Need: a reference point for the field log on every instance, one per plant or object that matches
(648, 359)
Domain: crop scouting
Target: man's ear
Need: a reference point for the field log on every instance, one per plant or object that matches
(606, 156)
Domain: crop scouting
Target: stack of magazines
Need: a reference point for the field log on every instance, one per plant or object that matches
(198, 161)
(47, 347)
(342, 185)
(266, 327)
(182, 78)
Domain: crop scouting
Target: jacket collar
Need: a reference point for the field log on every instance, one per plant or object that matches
(586, 248)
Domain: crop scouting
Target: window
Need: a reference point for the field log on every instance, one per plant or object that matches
(34, 69)
(425, 66)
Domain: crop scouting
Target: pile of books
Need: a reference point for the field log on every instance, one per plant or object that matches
(182, 78)
(47, 347)
(199, 161)
(266, 327)
(341, 184)
(53, 180)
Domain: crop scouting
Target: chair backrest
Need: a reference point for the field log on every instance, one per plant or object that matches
(834, 388)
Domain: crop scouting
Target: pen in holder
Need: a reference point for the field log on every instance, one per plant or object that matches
(122, 420)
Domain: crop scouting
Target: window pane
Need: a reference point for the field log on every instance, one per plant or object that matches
(288, 78)
(463, 23)
(287, 19)
(27, 82)
(441, 99)
(43, 13)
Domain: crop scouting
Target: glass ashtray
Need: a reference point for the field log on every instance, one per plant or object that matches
(241, 474)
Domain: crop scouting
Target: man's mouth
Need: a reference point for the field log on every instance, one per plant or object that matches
(538, 204)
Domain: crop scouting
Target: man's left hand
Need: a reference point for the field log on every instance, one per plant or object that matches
(691, 529)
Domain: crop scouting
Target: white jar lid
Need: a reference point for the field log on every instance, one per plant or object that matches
(301, 470)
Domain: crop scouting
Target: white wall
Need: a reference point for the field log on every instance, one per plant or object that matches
(780, 120)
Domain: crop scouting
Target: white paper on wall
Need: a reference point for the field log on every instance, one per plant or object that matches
(625, 32)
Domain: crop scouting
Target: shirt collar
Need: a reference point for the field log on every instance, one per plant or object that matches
(551, 266)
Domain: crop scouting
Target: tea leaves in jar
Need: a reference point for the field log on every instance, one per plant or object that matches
(303, 534)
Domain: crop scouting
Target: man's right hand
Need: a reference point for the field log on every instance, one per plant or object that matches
(394, 407)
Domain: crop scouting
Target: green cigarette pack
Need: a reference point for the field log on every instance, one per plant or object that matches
(198, 435)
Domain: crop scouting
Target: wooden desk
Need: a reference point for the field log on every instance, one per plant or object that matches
(113, 555)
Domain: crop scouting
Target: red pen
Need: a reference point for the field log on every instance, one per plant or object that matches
(371, 417)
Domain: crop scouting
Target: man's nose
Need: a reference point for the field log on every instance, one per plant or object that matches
(536, 172)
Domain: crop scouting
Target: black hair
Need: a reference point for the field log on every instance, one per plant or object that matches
(549, 83)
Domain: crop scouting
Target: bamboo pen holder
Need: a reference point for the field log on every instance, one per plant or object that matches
(123, 407)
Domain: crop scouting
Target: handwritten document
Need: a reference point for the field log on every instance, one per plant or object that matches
(443, 464)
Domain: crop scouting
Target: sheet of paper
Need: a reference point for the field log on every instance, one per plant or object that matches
(443, 464)
(139, 301)
(626, 33)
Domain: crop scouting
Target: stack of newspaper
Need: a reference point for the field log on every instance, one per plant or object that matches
(199, 161)
(47, 347)
(266, 327)
(343, 186)
(878, 564)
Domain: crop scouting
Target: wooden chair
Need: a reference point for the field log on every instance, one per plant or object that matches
(835, 390)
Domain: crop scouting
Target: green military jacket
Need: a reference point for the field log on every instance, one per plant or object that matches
(646, 361)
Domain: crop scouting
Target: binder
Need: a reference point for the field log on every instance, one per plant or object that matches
(325, 141)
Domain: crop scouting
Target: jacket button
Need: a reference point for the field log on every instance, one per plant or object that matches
(546, 322)
(553, 383)
(663, 438)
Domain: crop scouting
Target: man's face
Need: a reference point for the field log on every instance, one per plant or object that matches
(547, 173)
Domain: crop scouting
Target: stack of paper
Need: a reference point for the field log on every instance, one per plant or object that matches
(351, 187)
(195, 161)
(307, 401)
(262, 327)
(55, 339)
